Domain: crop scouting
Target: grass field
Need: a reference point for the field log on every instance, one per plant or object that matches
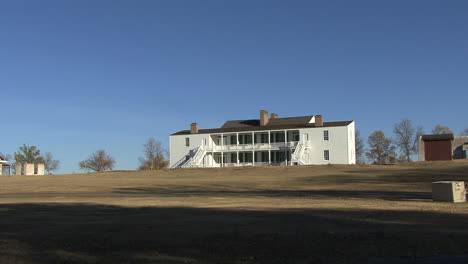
(310, 214)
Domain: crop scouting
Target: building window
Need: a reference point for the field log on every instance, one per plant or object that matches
(248, 139)
(233, 140)
(326, 155)
(187, 142)
(248, 157)
(295, 136)
(325, 135)
(233, 158)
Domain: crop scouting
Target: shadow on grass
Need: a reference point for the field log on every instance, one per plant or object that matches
(87, 233)
(397, 175)
(187, 191)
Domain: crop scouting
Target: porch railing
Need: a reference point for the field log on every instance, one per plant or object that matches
(256, 146)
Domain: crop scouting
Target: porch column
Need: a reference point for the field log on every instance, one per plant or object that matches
(253, 148)
(237, 140)
(237, 158)
(253, 158)
(286, 145)
(269, 157)
(222, 140)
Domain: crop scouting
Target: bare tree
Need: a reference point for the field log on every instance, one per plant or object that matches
(5, 157)
(440, 129)
(407, 138)
(359, 144)
(49, 163)
(464, 132)
(155, 156)
(381, 148)
(99, 161)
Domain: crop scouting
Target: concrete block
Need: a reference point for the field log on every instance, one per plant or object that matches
(40, 169)
(19, 169)
(28, 168)
(449, 191)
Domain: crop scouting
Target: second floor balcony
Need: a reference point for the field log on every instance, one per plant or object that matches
(250, 147)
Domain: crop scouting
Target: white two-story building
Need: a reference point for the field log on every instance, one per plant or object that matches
(268, 141)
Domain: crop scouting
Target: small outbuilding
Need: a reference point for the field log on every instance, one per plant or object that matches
(4, 167)
(436, 147)
(443, 147)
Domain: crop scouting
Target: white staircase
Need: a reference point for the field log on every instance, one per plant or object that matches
(196, 159)
(298, 154)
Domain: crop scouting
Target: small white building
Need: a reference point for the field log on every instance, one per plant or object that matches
(4, 166)
(268, 141)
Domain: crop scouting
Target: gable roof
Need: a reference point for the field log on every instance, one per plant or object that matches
(273, 124)
(299, 120)
(437, 137)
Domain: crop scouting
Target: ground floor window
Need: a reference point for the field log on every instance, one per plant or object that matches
(280, 156)
(245, 156)
(233, 158)
(326, 155)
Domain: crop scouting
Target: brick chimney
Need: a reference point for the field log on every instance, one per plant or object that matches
(319, 121)
(263, 118)
(273, 116)
(194, 128)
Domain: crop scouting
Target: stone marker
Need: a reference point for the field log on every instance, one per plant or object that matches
(19, 169)
(40, 169)
(28, 168)
(449, 191)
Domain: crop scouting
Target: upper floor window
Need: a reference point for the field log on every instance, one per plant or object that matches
(187, 142)
(325, 135)
(295, 136)
(326, 155)
(233, 140)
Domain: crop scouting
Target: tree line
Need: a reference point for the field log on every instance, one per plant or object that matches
(400, 148)
(31, 154)
(381, 150)
(154, 158)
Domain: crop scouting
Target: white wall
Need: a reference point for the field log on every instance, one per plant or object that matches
(352, 143)
(339, 145)
(178, 150)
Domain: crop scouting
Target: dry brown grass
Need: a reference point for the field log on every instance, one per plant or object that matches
(313, 214)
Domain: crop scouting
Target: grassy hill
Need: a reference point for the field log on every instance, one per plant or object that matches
(305, 214)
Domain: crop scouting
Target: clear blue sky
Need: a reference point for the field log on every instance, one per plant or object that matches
(77, 76)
